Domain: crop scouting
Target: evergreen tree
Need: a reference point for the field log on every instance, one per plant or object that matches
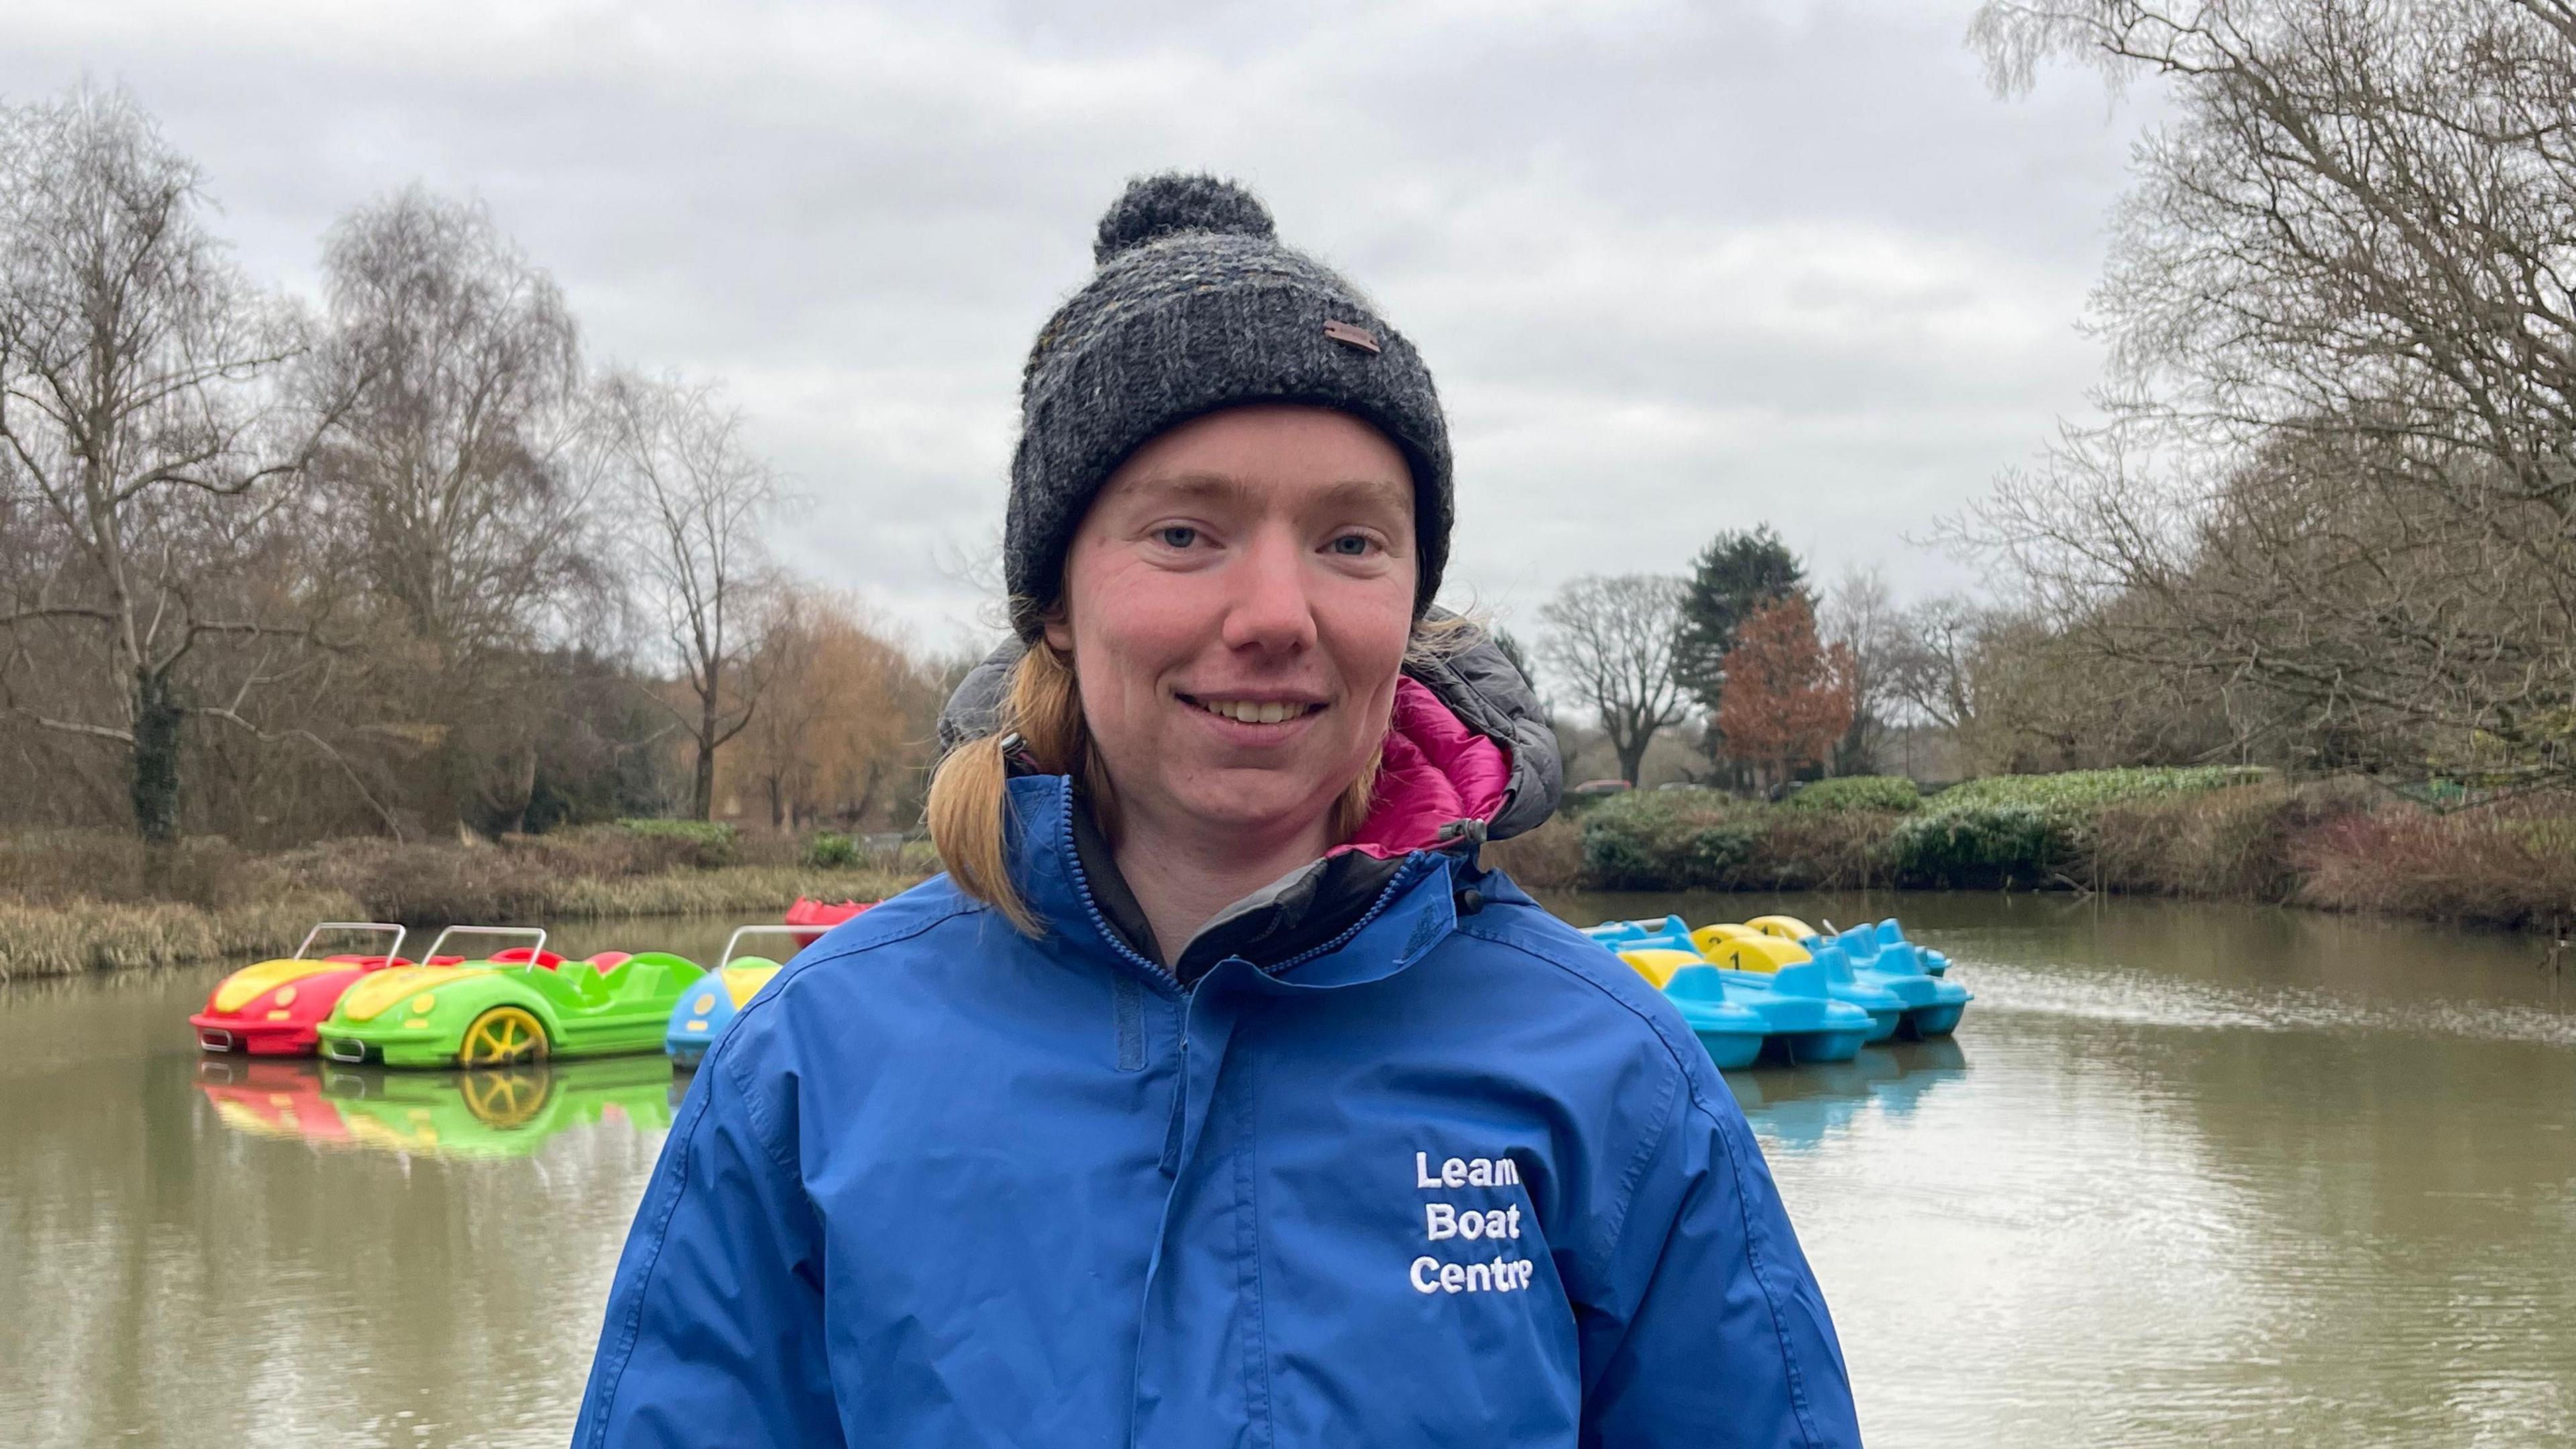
(1734, 576)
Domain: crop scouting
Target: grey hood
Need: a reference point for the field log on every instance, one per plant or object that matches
(1479, 684)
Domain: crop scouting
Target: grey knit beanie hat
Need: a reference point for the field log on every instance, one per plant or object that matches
(1197, 307)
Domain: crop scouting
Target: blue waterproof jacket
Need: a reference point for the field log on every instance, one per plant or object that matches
(1453, 1176)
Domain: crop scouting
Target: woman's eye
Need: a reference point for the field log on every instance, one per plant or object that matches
(1177, 536)
(1351, 545)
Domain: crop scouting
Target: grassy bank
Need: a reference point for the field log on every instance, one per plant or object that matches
(78, 901)
(2207, 833)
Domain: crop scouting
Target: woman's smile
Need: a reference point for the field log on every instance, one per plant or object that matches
(1269, 716)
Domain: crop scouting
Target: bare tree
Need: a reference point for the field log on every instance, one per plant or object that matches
(459, 494)
(694, 499)
(1611, 640)
(1931, 668)
(2339, 482)
(454, 469)
(1860, 615)
(145, 435)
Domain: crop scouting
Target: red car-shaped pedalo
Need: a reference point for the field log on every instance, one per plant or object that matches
(820, 916)
(276, 1008)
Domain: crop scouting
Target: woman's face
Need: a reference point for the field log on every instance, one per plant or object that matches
(1237, 604)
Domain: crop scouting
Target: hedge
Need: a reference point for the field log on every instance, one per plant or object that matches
(1888, 794)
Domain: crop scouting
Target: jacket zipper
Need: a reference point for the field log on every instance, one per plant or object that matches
(1161, 974)
(1385, 897)
(1153, 970)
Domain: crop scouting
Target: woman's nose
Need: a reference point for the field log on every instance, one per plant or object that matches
(1266, 605)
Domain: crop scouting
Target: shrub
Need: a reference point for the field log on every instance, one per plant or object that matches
(1706, 840)
(417, 882)
(442, 884)
(1621, 859)
(1714, 853)
(918, 859)
(744, 890)
(2007, 830)
(2077, 793)
(43, 866)
(706, 844)
(830, 850)
(2234, 844)
(2548, 839)
(1978, 845)
(595, 850)
(766, 849)
(1819, 850)
(1883, 794)
(2506, 866)
(79, 901)
(1668, 840)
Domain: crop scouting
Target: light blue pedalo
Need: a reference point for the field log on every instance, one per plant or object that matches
(1802, 1020)
(1880, 956)
(1795, 1010)
(1892, 934)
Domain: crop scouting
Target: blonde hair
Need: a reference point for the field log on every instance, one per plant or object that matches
(970, 793)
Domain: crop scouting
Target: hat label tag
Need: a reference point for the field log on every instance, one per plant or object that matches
(1352, 336)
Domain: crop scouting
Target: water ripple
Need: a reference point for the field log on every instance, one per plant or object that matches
(2142, 999)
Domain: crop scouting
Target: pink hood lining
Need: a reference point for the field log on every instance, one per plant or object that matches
(1433, 771)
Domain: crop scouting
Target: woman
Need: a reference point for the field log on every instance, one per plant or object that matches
(1217, 1094)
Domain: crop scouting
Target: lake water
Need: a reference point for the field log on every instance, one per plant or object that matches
(2188, 1175)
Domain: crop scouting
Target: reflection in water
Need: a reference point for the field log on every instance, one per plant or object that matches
(507, 1112)
(221, 1267)
(2191, 1176)
(1801, 1107)
(272, 1099)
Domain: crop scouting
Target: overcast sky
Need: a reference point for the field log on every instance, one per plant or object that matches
(1677, 267)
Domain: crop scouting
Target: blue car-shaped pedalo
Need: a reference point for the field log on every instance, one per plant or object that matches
(1775, 986)
(707, 1008)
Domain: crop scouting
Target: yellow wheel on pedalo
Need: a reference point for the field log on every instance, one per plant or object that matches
(501, 1036)
(506, 1098)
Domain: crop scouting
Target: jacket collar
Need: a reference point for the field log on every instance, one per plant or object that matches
(1299, 927)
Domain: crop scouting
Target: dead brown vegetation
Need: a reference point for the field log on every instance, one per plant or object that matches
(2512, 864)
(73, 901)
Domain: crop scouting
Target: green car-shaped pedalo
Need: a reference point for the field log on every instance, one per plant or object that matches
(504, 1112)
(522, 1005)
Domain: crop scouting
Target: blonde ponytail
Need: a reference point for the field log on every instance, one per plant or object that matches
(970, 793)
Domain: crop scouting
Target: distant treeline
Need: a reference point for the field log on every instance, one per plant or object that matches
(2210, 833)
(393, 561)
(2326, 520)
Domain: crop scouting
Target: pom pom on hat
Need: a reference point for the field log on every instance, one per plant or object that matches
(1154, 207)
(1196, 306)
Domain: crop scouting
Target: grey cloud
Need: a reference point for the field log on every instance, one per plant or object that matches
(1678, 266)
